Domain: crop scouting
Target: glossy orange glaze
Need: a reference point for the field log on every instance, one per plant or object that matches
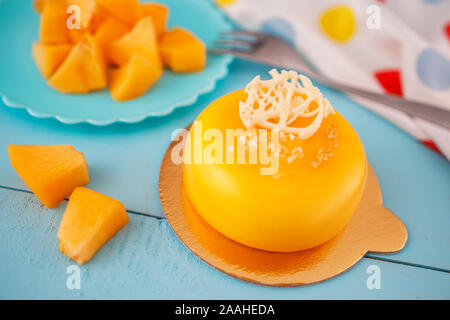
(304, 205)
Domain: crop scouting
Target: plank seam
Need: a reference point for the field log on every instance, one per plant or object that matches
(410, 264)
(129, 211)
(368, 256)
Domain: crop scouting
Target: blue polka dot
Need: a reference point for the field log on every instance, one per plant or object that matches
(433, 69)
(280, 28)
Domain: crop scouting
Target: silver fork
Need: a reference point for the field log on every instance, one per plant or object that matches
(271, 50)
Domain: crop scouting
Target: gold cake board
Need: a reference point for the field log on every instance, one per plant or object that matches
(373, 228)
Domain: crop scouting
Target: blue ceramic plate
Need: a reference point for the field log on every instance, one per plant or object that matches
(22, 86)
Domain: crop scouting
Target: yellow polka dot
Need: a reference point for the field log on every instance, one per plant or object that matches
(338, 23)
(224, 2)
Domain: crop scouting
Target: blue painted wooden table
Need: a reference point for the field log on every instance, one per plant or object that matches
(146, 260)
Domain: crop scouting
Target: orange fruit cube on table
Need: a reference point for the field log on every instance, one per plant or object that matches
(182, 51)
(90, 220)
(51, 172)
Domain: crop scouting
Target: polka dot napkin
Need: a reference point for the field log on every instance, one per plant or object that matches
(401, 47)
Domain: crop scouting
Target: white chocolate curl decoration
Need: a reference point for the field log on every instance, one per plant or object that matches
(276, 103)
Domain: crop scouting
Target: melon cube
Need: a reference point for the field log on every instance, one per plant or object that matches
(39, 5)
(142, 40)
(53, 28)
(51, 172)
(98, 16)
(109, 30)
(159, 14)
(182, 51)
(125, 10)
(134, 78)
(86, 10)
(75, 35)
(49, 57)
(90, 220)
(61, 16)
(67, 79)
(83, 70)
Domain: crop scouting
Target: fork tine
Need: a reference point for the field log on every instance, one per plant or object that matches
(238, 53)
(234, 43)
(243, 32)
(249, 34)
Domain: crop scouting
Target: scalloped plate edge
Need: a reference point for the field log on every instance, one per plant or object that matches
(220, 75)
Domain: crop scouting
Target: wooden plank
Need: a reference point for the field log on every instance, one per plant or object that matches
(146, 260)
(124, 162)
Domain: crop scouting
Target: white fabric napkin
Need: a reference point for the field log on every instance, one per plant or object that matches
(396, 46)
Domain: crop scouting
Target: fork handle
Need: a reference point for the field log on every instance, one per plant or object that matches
(416, 109)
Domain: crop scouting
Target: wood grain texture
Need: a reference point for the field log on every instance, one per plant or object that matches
(124, 161)
(145, 260)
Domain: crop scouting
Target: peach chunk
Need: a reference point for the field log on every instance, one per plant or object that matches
(53, 28)
(125, 10)
(159, 14)
(49, 57)
(98, 16)
(182, 51)
(90, 220)
(51, 172)
(109, 30)
(141, 39)
(83, 70)
(80, 24)
(62, 14)
(75, 35)
(134, 78)
(39, 5)
(86, 10)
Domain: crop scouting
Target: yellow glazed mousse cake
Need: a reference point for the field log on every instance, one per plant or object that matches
(274, 166)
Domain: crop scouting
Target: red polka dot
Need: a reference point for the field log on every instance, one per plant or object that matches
(430, 144)
(447, 30)
(390, 80)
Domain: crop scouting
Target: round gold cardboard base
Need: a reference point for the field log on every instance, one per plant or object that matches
(373, 228)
